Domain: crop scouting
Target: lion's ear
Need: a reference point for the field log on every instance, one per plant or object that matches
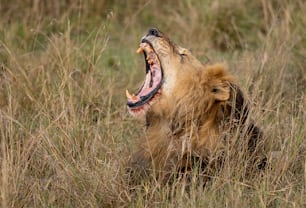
(221, 92)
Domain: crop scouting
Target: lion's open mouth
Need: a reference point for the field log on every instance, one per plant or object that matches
(153, 80)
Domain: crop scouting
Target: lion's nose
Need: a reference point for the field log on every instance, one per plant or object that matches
(154, 31)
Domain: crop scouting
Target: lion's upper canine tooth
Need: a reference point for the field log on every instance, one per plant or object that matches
(139, 50)
(144, 47)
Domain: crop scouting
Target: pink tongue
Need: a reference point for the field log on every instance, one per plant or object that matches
(156, 78)
(146, 86)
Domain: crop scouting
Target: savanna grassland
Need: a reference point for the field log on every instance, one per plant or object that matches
(65, 133)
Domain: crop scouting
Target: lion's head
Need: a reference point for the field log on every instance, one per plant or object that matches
(163, 61)
(174, 77)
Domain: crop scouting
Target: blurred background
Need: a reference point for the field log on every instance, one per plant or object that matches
(64, 67)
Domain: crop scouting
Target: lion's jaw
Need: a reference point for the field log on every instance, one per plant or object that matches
(165, 61)
(159, 78)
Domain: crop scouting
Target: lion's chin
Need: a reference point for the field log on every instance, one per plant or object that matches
(141, 111)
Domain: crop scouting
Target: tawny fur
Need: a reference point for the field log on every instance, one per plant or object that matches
(197, 104)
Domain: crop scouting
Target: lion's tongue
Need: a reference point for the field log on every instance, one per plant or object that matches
(146, 86)
(155, 75)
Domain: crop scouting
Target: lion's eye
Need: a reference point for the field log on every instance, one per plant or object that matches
(214, 90)
(182, 55)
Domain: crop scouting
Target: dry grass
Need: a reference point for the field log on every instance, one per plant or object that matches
(64, 129)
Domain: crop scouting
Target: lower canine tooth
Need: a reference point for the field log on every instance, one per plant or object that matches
(129, 96)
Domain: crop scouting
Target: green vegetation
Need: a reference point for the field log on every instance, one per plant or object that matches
(64, 67)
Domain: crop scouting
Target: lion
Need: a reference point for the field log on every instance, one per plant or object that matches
(187, 106)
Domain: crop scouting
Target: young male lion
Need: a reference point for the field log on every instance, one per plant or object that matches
(187, 107)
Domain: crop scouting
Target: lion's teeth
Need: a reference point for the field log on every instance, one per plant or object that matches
(129, 96)
(139, 50)
(150, 60)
